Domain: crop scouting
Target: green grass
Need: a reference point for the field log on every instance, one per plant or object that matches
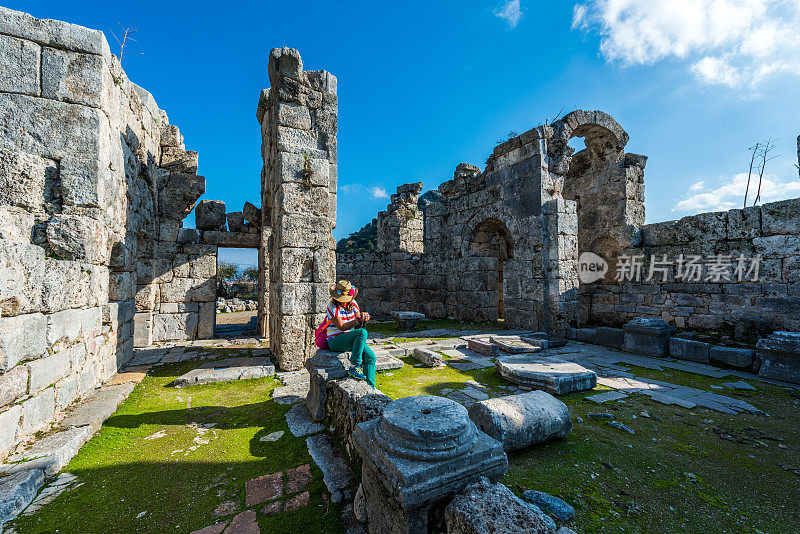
(616, 481)
(124, 474)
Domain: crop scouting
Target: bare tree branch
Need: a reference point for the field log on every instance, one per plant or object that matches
(754, 148)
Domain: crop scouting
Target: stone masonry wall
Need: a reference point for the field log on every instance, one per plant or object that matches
(298, 118)
(86, 182)
(747, 308)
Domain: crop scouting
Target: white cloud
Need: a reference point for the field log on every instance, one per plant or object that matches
(378, 192)
(349, 188)
(698, 186)
(729, 42)
(729, 193)
(511, 12)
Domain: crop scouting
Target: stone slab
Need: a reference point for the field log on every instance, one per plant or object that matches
(518, 421)
(428, 357)
(294, 391)
(226, 370)
(552, 375)
(335, 472)
(53, 452)
(737, 358)
(386, 362)
(300, 422)
(17, 491)
(607, 396)
(94, 410)
(688, 349)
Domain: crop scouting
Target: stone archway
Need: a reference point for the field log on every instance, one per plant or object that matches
(491, 246)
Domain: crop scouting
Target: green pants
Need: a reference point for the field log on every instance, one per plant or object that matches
(355, 340)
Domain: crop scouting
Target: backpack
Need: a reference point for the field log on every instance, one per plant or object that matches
(321, 334)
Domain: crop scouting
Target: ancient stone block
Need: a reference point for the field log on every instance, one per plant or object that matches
(235, 221)
(9, 425)
(209, 214)
(46, 371)
(178, 197)
(22, 338)
(350, 402)
(589, 335)
(518, 421)
(21, 275)
(429, 357)
(19, 62)
(28, 180)
(610, 337)
(171, 136)
(168, 327)
(687, 349)
(13, 385)
(733, 357)
(323, 367)
(485, 507)
(780, 355)
(78, 238)
(231, 239)
(252, 214)
(38, 410)
(179, 160)
(647, 336)
(73, 77)
(548, 374)
(206, 320)
(52, 32)
(781, 217)
(427, 448)
(143, 329)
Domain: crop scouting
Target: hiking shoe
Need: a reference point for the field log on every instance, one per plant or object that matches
(356, 373)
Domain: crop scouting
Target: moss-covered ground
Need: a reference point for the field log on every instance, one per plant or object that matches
(176, 454)
(694, 471)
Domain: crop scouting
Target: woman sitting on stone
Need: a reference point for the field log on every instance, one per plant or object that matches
(346, 331)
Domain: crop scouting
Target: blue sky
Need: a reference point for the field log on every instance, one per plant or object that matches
(426, 85)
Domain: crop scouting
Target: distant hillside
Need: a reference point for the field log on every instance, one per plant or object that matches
(365, 240)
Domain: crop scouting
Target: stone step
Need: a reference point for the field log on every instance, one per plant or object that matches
(226, 371)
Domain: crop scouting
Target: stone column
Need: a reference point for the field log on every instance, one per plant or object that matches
(400, 227)
(298, 117)
(420, 451)
(559, 258)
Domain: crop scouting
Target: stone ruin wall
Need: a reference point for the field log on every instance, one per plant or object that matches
(746, 309)
(298, 119)
(94, 182)
(546, 203)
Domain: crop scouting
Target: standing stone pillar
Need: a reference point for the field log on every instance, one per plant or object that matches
(420, 451)
(298, 117)
(560, 259)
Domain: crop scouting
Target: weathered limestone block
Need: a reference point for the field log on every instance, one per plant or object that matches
(177, 159)
(9, 424)
(780, 355)
(27, 180)
(324, 366)
(143, 329)
(252, 214)
(420, 451)
(690, 350)
(19, 63)
(610, 337)
(52, 32)
(38, 410)
(206, 320)
(647, 336)
(171, 136)
(78, 238)
(235, 221)
(733, 357)
(13, 385)
(781, 217)
(350, 402)
(177, 198)
(429, 357)
(518, 421)
(22, 338)
(48, 370)
(549, 374)
(174, 326)
(73, 77)
(588, 335)
(231, 239)
(21, 277)
(209, 214)
(484, 507)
